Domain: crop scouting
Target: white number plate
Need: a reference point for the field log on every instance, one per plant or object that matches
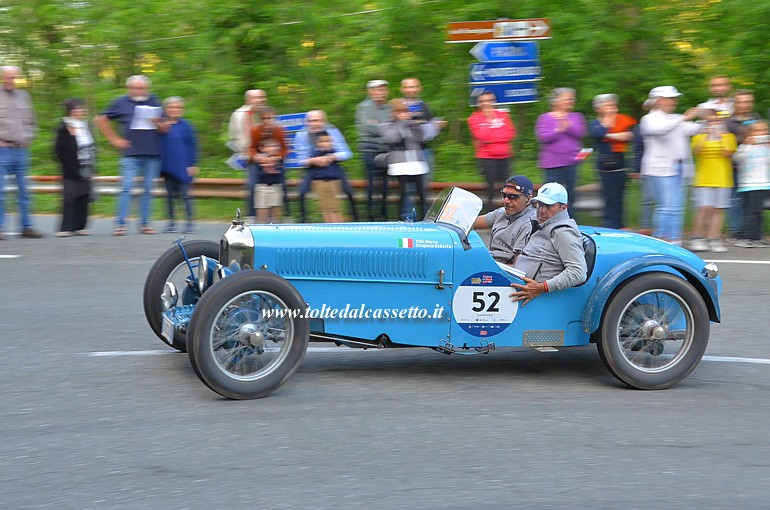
(167, 331)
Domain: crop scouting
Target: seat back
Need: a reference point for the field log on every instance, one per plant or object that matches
(589, 248)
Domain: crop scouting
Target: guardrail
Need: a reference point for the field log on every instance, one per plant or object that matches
(589, 196)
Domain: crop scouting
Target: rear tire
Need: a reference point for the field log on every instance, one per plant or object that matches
(654, 332)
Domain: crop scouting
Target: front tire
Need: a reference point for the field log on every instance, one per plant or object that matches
(171, 267)
(238, 351)
(654, 332)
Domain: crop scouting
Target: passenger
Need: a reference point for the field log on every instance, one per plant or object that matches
(511, 224)
(553, 258)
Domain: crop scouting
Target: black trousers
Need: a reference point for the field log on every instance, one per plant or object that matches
(753, 210)
(403, 186)
(74, 213)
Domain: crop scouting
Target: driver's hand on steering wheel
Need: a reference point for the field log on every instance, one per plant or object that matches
(527, 291)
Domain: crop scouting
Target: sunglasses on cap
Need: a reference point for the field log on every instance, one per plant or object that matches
(512, 184)
(510, 196)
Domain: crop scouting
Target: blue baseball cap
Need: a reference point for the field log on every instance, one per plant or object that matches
(520, 183)
(551, 193)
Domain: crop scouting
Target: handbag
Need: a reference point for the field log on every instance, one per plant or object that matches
(610, 161)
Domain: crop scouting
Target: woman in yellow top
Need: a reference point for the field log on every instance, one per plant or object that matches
(713, 148)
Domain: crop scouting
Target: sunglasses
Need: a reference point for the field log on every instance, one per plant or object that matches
(537, 205)
(510, 196)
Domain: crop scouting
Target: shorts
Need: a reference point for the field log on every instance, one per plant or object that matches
(268, 195)
(327, 193)
(719, 198)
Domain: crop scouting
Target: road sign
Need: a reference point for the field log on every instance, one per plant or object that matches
(504, 51)
(496, 72)
(497, 30)
(291, 124)
(507, 93)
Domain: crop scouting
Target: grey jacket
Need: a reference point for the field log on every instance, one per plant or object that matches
(18, 123)
(370, 120)
(554, 254)
(509, 233)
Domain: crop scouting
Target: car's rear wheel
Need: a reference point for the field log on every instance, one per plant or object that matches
(172, 267)
(243, 341)
(654, 332)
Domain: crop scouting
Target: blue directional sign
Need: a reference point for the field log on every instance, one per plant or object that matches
(492, 72)
(291, 124)
(507, 93)
(501, 51)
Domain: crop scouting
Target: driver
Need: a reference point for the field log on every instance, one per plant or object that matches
(553, 258)
(511, 224)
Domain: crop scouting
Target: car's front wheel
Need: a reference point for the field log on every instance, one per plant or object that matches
(654, 332)
(172, 267)
(245, 339)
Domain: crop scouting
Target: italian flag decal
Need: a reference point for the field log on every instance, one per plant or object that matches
(406, 242)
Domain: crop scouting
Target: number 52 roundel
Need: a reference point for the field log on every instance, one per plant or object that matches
(482, 305)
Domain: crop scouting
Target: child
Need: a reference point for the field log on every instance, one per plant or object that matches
(713, 147)
(753, 161)
(178, 159)
(327, 184)
(268, 192)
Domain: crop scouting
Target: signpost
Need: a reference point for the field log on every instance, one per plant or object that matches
(507, 93)
(497, 72)
(496, 30)
(505, 51)
(509, 65)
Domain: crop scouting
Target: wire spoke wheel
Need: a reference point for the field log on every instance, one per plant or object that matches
(654, 331)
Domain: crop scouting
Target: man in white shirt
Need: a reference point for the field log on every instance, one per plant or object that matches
(667, 160)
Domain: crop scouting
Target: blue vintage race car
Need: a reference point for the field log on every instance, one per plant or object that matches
(245, 309)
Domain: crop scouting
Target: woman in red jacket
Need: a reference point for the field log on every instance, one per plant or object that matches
(492, 132)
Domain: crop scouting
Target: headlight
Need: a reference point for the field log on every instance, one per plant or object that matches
(205, 273)
(710, 271)
(169, 296)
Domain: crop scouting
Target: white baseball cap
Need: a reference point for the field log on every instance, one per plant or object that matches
(664, 91)
(375, 83)
(551, 193)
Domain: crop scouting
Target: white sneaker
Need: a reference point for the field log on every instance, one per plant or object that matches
(698, 245)
(717, 246)
(744, 243)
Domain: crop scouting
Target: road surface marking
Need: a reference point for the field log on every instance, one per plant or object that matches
(9, 256)
(761, 262)
(115, 354)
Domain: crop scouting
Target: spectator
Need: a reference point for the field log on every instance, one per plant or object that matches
(611, 132)
(405, 159)
(371, 116)
(720, 100)
(666, 160)
(138, 114)
(239, 134)
(646, 201)
(553, 258)
(268, 128)
(753, 161)
(179, 160)
(18, 126)
(74, 149)
(560, 133)
(411, 90)
(713, 148)
(492, 131)
(738, 124)
(268, 192)
(511, 224)
(326, 174)
(304, 143)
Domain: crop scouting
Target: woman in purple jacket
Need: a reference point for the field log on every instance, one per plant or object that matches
(560, 133)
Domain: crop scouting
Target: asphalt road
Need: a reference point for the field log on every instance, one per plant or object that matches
(96, 413)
